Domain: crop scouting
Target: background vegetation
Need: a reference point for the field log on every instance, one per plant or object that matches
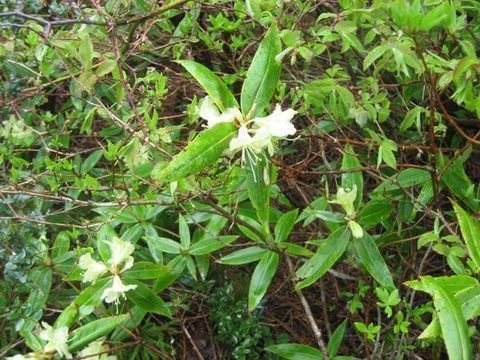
(357, 238)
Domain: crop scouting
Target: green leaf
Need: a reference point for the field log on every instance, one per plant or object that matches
(211, 83)
(163, 244)
(145, 298)
(336, 339)
(284, 226)
(351, 179)
(85, 50)
(261, 278)
(91, 161)
(94, 330)
(258, 190)
(295, 352)
(203, 151)
(471, 234)
(184, 232)
(453, 324)
(262, 75)
(373, 55)
(144, 270)
(469, 299)
(370, 257)
(243, 256)
(106, 67)
(374, 212)
(326, 256)
(209, 245)
(412, 177)
(41, 278)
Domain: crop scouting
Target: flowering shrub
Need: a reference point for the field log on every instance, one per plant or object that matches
(239, 179)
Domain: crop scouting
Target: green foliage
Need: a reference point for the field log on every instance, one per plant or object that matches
(320, 158)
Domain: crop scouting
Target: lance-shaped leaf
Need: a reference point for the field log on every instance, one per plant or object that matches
(84, 335)
(326, 256)
(295, 352)
(203, 151)
(262, 75)
(211, 83)
(471, 234)
(261, 278)
(259, 190)
(370, 257)
(452, 322)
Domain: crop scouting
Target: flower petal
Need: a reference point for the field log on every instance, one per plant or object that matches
(116, 291)
(94, 269)
(278, 123)
(120, 251)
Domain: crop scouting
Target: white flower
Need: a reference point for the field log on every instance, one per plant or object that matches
(247, 143)
(96, 350)
(117, 290)
(120, 254)
(209, 111)
(56, 340)
(356, 229)
(94, 269)
(278, 123)
(346, 198)
(29, 356)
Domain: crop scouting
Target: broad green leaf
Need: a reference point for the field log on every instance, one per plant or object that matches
(351, 179)
(463, 66)
(284, 225)
(336, 339)
(243, 256)
(471, 234)
(203, 151)
(106, 67)
(144, 270)
(262, 75)
(94, 330)
(326, 256)
(258, 190)
(457, 181)
(374, 212)
(184, 232)
(164, 244)
(211, 83)
(295, 352)
(469, 300)
(85, 50)
(412, 177)
(373, 55)
(254, 8)
(261, 278)
(145, 298)
(453, 324)
(209, 245)
(369, 256)
(91, 161)
(452, 284)
(41, 278)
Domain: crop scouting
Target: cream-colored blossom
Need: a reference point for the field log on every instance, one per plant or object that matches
(116, 291)
(278, 123)
(96, 350)
(120, 251)
(209, 111)
(56, 340)
(93, 269)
